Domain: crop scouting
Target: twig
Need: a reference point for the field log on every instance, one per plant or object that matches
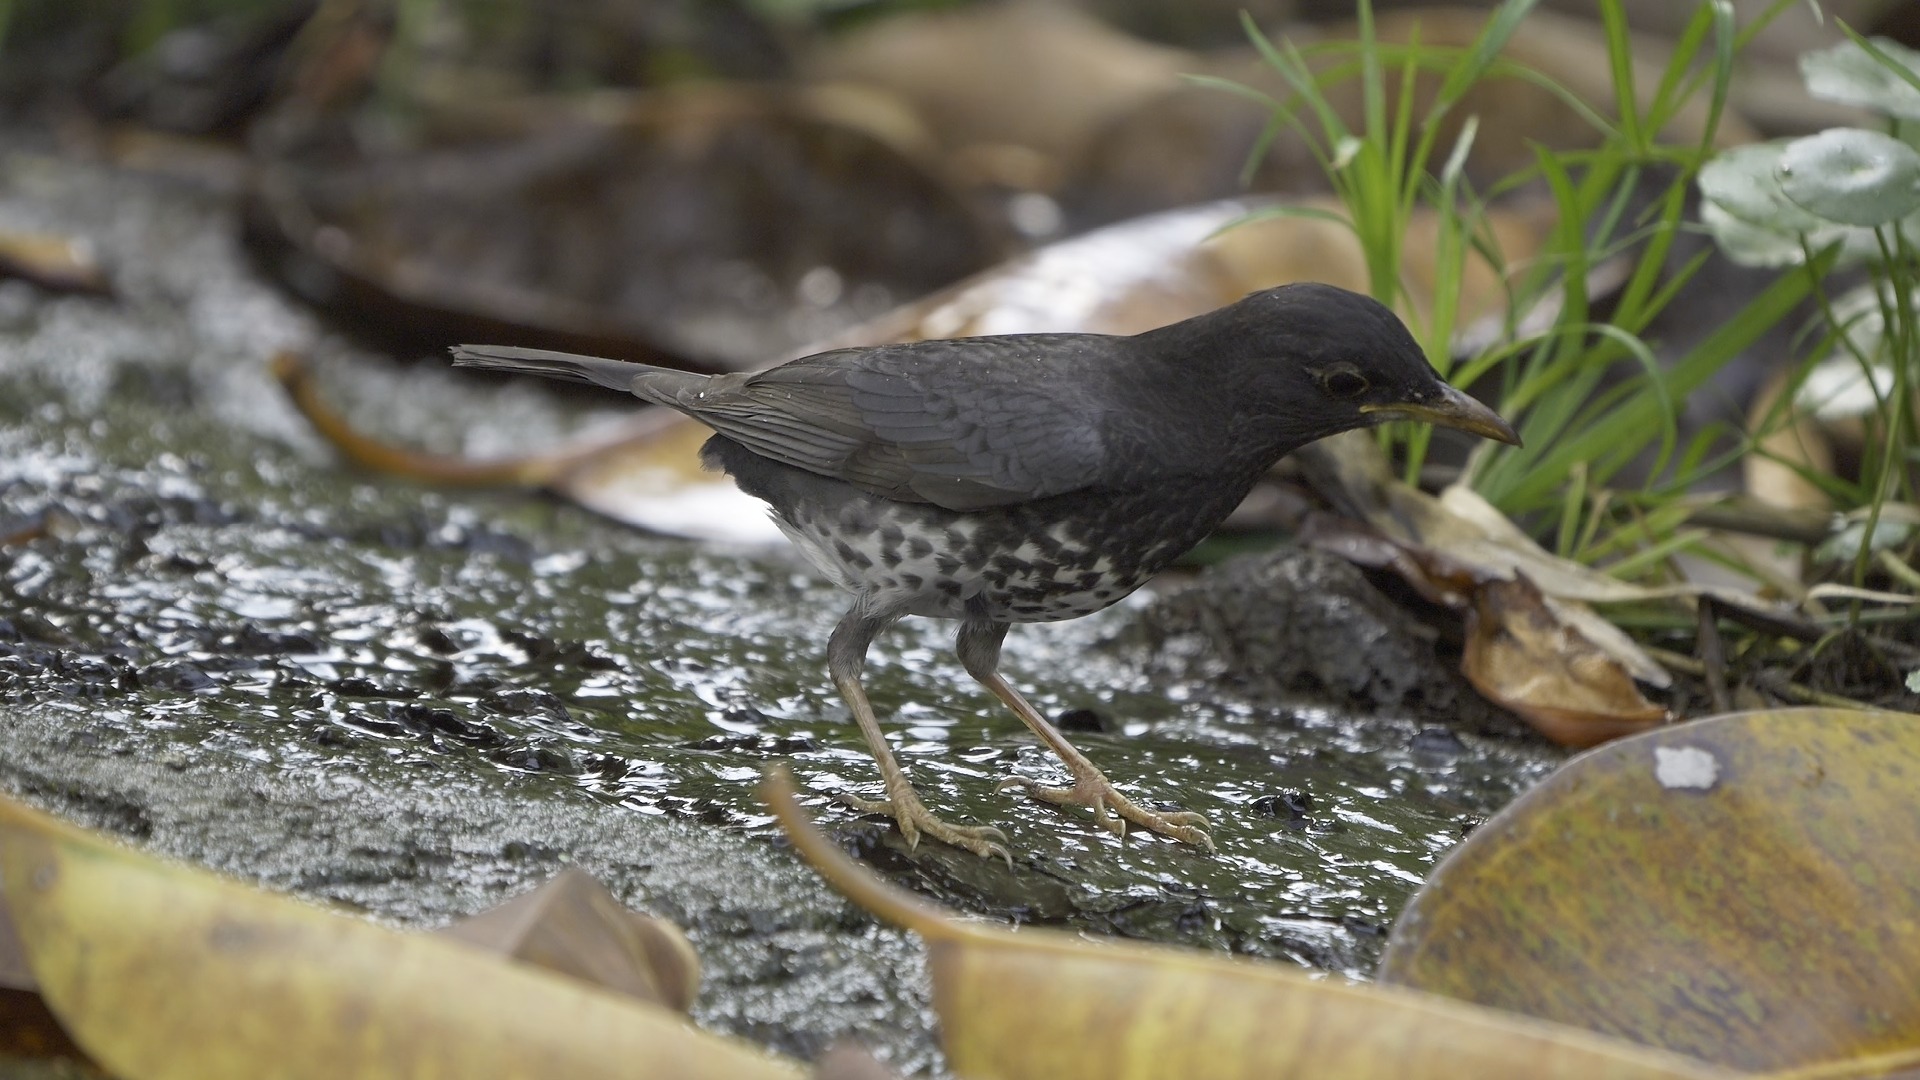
(1786, 688)
(1713, 655)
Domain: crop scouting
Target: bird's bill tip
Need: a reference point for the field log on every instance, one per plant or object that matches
(1454, 409)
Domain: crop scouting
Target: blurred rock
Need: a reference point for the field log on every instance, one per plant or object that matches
(1298, 623)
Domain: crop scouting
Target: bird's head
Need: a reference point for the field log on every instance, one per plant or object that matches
(1310, 360)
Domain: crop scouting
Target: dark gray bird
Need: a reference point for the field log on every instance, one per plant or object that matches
(1031, 477)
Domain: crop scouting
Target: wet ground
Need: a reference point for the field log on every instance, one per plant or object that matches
(227, 647)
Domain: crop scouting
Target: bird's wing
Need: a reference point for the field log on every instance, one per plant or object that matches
(964, 425)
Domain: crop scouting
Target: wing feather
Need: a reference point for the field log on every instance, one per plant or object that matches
(965, 425)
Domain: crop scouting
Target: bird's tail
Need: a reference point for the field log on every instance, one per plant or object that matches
(644, 380)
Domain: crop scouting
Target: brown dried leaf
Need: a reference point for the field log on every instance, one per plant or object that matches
(1353, 473)
(1523, 652)
(1741, 889)
(52, 262)
(574, 926)
(1524, 658)
(646, 472)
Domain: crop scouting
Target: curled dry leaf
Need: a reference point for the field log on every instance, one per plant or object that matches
(1052, 1006)
(1534, 645)
(574, 926)
(1739, 889)
(283, 988)
(1520, 656)
(645, 472)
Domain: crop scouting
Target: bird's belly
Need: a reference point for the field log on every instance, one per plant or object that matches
(1009, 566)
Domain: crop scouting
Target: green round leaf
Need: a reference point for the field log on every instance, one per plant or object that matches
(1849, 74)
(1851, 176)
(1749, 244)
(1744, 182)
(1755, 223)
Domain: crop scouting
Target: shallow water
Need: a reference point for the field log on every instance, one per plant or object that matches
(415, 702)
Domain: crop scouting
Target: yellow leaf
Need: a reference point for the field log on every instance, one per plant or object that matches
(162, 971)
(1054, 1006)
(1743, 890)
(572, 925)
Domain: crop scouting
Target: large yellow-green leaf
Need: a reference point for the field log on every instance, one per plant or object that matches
(1054, 1006)
(1743, 889)
(162, 971)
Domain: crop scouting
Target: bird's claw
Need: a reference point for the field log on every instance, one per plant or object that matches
(915, 820)
(1112, 810)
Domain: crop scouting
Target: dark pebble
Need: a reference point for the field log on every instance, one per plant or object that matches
(1082, 720)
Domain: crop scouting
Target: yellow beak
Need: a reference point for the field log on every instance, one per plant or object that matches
(1456, 409)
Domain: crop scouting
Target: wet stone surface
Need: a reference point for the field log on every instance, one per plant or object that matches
(217, 641)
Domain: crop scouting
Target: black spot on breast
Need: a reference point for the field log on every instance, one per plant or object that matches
(848, 555)
(919, 548)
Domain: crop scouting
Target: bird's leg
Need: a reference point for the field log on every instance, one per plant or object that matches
(979, 648)
(846, 659)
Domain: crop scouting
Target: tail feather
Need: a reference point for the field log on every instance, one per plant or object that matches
(644, 380)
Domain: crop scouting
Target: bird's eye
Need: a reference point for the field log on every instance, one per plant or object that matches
(1344, 382)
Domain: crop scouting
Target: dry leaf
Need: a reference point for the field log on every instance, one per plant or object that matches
(164, 971)
(975, 75)
(1524, 651)
(52, 262)
(1052, 1006)
(1354, 474)
(645, 472)
(1741, 889)
(1522, 657)
(574, 926)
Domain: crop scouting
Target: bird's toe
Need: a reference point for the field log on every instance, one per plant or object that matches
(1113, 811)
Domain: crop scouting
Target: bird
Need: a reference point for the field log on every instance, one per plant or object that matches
(1031, 478)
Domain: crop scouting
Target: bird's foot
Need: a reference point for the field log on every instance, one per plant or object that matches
(1112, 810)
(903, 805)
